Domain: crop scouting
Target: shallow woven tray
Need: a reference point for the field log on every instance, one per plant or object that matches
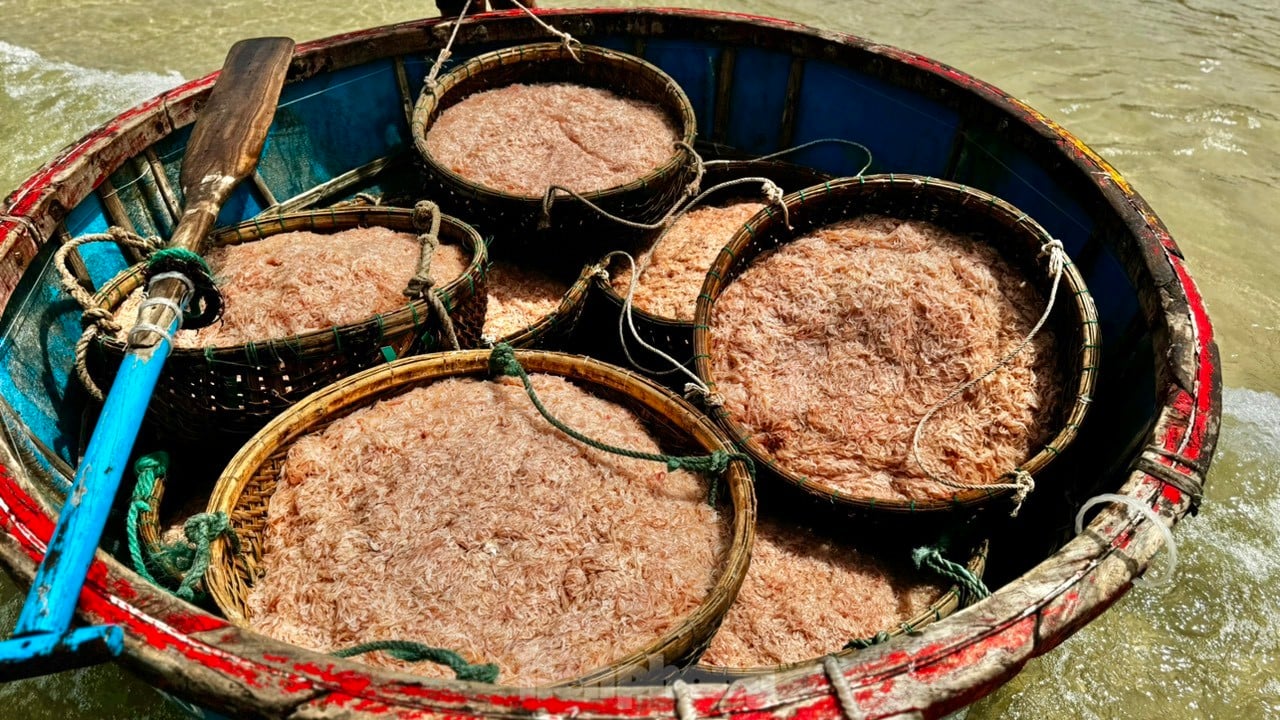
(246, 486)
(516, 221)
(231, 391)
(949, 205)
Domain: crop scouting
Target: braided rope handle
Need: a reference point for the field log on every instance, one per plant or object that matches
(426, 217)
(503, 361)
(567, 40)
(96, 320)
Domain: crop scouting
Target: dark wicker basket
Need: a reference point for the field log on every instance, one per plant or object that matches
(516, 223)
(957, 208)
(232, 391)
(248, 482)
(671, 336)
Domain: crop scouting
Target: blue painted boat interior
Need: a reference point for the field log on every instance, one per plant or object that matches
(336, 122)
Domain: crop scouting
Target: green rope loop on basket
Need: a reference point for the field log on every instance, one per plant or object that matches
(147, 470)
(417, 652)
(206, 306)
(502, 361)
(183, 563)
(972, 589)
(864, 643)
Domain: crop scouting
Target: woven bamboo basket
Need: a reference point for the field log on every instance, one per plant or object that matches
(954, 207)
(946, 604)
(670, 335)
(246, 485)
(517, 223)
(231, 391)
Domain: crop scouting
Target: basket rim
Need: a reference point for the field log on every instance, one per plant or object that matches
(412, 314)
(946, 604)
(429, 99)
(1087, 340)
(351, 392)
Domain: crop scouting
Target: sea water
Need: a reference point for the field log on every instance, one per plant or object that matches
(1182, 97)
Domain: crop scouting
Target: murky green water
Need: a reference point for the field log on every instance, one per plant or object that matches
(1183, 96)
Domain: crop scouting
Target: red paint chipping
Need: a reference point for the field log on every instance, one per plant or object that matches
(1011, 640)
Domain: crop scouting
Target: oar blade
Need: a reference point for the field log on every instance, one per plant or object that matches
(229, 135)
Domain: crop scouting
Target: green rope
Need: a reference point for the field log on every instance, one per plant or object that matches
(502, 361)
(183, 563)
(864, 643)
(177, 254)
(147, 469)
(971, 588)
(417, 652)
(206, 306)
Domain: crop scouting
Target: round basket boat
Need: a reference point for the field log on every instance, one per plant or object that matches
(668, 334)
(956, 208)
(231, 391)
(522, 225)
(248, 482)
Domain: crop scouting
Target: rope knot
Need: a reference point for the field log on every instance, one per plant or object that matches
(772, 192)
(101, 318)
(201, 530)
(204, 527)
(699, 170)
(696, 391)
(715, 463)
(426, 216)
(1024, 485)
(149, 466)
(774, 195)
(502, 361)
(1056, 253)
(548, 200)
(568, 42)
(864, 643)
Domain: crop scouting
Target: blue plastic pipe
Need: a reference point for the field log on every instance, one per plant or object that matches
(42, 631)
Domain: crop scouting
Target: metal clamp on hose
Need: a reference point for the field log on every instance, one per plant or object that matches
(142, 327)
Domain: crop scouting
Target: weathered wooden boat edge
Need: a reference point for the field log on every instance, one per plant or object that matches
(943, 668)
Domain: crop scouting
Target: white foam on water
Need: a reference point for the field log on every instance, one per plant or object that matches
(25, 74)
(1205, 648)
(45, 104)
(1260, 412)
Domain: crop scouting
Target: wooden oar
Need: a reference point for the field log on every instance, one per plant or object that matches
(223, 151)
